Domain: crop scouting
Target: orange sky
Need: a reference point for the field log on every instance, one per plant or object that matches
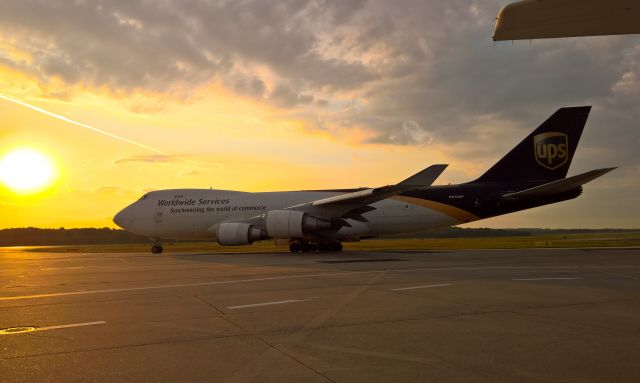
(220, 140)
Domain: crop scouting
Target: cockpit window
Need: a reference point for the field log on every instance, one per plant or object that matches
(143, 197)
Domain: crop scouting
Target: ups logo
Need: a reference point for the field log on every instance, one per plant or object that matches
(551, 149)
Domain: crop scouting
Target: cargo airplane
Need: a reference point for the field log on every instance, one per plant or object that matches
(530, 175)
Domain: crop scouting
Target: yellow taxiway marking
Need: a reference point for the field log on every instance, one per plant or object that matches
(26, 329)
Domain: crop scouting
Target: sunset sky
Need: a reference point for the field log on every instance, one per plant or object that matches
(287, 95)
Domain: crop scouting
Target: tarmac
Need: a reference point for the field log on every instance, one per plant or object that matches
(541, 315)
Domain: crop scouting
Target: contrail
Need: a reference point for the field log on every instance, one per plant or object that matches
(65, 119)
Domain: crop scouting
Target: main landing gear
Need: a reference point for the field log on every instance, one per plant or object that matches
(305, 247)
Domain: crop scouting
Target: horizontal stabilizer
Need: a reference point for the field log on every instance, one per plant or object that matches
(425, 177)
(559, 186)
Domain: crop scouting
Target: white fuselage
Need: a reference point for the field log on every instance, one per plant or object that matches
(195, 213)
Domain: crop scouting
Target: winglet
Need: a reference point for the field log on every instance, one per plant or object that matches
(425, 177)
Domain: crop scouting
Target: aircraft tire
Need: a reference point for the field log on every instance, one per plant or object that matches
(294, 247)
(156, 249)
(335, 246)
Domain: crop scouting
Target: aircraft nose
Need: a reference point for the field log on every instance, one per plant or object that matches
(124, 218)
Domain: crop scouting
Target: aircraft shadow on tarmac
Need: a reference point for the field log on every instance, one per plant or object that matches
(328, 258)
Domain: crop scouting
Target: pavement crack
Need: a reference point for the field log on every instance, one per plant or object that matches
(263, 363)
(48, 336)
(216, 309)
(186, 340)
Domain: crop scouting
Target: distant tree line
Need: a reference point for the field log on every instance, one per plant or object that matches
(32, 236)
(464, 232)
(469, 232)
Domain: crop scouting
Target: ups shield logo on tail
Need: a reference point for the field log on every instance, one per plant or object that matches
(551, 149)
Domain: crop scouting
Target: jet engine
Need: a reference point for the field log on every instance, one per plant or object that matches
(292, 224)
(236, 234)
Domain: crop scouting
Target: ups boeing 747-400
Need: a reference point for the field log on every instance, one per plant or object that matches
(530, 175)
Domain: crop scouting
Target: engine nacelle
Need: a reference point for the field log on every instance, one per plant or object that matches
(237, 234)
(292, 224)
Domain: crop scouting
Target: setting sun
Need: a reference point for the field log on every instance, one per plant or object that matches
(26, 170)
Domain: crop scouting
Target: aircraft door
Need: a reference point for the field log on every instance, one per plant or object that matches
(158, 214)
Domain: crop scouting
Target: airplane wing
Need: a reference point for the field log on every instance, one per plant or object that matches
(354, 204)
(559, 186)
(541, 19)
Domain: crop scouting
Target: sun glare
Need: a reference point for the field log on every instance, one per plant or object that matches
(26, 170)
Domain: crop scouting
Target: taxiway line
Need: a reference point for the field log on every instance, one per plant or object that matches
(271, 303)
(420, 287)
(70, 325)
(28, 329)
(283, 277)
(62, 268)
(545, 279)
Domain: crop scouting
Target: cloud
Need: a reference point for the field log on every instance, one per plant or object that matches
(183, 165)
(286, 96)
(160, 45)
(411, 72)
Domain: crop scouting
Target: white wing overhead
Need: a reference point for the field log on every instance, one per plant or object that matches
(354, 204)
(541, 19)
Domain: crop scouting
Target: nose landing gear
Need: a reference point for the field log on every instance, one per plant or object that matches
(157, 247)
